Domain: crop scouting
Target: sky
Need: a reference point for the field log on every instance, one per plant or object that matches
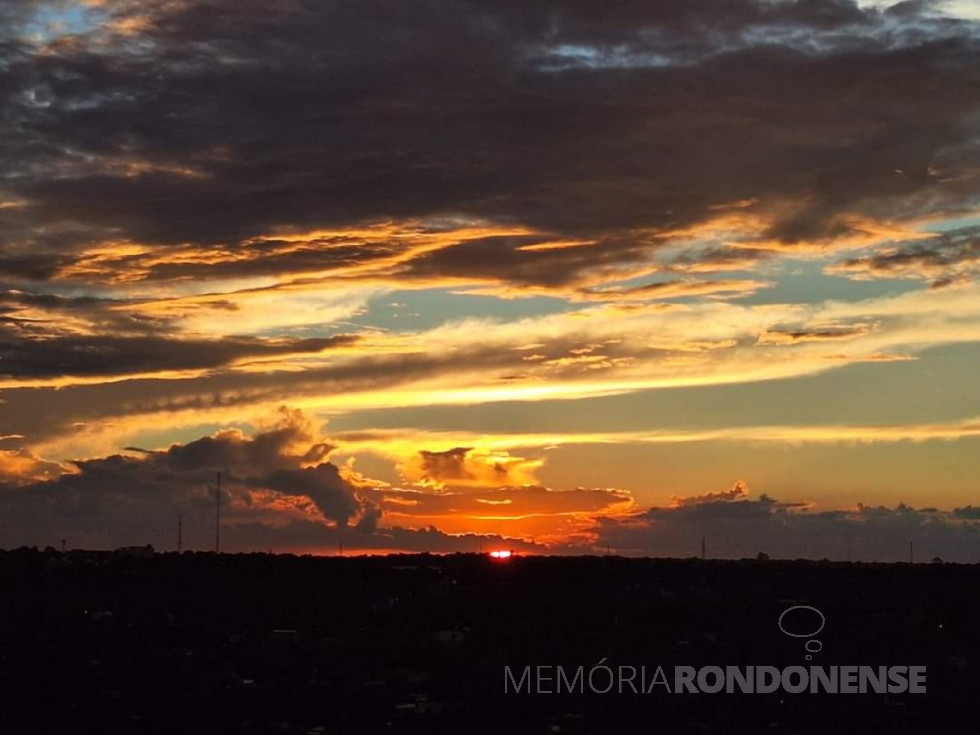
(571, 276)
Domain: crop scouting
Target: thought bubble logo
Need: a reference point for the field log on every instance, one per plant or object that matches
(803, 621)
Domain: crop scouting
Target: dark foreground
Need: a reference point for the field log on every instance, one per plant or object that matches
(199, 643)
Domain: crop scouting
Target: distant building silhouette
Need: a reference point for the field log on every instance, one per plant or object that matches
(135, 552)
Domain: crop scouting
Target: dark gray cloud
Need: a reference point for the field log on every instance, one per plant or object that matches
(288, 446)
(735, 525)
(122, 498)
(448, 465)
(831, 333)
(333, 496)
(48, 336)
(506, 259)
(717, 258)
(949, 258)
(219, 121)
(278, 491)
(312, 537)
(108, 355)
(40, 412)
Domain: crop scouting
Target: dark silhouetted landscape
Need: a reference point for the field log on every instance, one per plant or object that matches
(131, 642)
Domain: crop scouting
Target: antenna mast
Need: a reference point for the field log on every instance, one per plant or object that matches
(217, 517)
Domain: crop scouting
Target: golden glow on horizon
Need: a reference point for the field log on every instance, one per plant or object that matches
(536, 329)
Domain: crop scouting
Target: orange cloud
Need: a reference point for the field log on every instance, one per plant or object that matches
(467, 467)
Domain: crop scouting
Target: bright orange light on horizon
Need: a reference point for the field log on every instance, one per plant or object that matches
(501, 554)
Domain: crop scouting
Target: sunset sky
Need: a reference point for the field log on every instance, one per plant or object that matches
(562, 276)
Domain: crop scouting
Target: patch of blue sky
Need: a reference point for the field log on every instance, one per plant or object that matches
(805, 282)
(952, 224)
(791, 281)
(415, 311)
(429, 308)
(164, 437)
(578, 56)
(938, 386)
(56, 19)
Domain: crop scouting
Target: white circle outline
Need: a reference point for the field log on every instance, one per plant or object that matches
(823, 621)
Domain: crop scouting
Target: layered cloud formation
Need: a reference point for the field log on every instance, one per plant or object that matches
(735, 525)
(281, 491)
(369, 210)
